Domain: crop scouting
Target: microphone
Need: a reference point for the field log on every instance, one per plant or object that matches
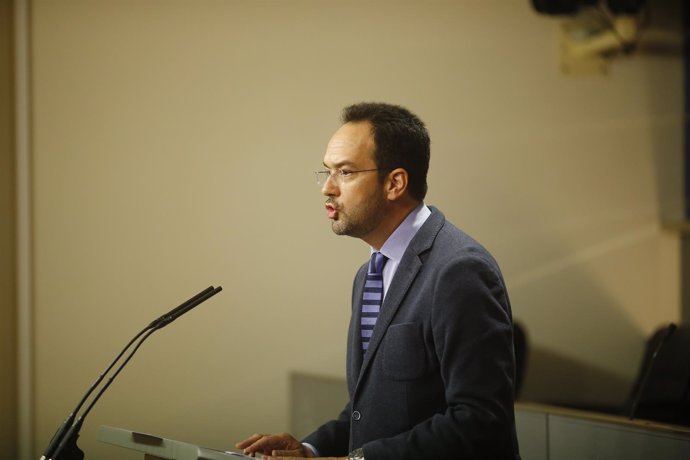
(185, 307)
(65, 438)
(180, 307)
(666, 335)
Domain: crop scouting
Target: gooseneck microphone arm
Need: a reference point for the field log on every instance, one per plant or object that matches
(64, 439)
(68, 443)
(62, 430)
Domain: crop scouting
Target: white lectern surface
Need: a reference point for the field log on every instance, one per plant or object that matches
(157, 447)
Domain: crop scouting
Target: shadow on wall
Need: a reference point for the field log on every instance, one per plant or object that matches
(584, 350)
(660, 391)
(560, 380)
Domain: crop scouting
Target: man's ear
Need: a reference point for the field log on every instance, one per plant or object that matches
(396, 184)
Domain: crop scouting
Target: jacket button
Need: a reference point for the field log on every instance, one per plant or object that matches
(356, 415)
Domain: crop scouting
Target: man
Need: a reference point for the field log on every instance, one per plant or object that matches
(430, 369)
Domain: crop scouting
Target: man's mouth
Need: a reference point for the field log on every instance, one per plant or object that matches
(331, 211)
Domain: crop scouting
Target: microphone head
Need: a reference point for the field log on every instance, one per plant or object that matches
(184, 308)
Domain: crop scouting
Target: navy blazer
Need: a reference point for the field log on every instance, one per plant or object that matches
(437, 380)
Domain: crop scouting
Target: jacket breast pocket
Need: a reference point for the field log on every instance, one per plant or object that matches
(404, 356)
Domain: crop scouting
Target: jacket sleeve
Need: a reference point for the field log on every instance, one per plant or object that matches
(332, 438)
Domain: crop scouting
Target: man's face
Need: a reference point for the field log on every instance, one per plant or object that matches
(356, 203)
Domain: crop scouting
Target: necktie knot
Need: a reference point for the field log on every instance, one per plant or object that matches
(376, 263)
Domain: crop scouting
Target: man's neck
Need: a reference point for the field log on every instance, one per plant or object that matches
(395, 215)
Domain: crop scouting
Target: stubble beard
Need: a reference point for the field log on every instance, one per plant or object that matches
(361, 221)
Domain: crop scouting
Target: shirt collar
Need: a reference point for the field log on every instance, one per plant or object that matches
(397, 243)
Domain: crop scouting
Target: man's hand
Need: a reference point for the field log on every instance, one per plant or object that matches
(297, 458)
(275, 445)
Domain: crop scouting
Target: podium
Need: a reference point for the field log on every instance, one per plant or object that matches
(157, 448)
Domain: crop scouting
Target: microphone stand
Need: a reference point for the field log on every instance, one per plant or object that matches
(63, 445)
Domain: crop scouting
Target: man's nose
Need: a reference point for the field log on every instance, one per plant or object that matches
(330, 186)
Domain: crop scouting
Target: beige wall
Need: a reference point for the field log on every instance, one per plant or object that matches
(8, 348)
(174, 144)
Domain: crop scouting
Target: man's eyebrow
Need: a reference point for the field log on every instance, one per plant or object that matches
(339, 164)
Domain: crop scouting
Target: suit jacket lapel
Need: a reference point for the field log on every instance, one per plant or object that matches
(401, 283)
(355, 340)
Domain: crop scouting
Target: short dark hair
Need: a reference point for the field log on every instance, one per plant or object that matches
(401, 139)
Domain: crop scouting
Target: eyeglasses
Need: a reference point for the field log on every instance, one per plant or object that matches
(340, 175)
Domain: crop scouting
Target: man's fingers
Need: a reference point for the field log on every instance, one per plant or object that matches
(260, 443)
(265, 444)
(249, 441)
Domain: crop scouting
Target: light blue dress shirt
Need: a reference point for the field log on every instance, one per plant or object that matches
(396, 244)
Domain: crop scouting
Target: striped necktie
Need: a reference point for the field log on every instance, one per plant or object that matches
(372, 297)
